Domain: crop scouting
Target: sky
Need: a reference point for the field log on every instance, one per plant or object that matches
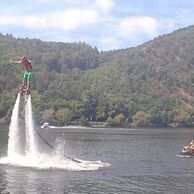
(105, 24)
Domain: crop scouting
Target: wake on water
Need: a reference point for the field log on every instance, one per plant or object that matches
(23, 146)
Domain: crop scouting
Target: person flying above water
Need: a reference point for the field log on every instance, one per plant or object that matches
(27, 75)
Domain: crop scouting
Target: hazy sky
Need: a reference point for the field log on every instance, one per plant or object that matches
(106, 24)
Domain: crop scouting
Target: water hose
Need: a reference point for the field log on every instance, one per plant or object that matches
(52, 148)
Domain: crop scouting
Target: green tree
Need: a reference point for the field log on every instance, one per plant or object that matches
(142, 119)
(182, 117)
(83, 121)
(63, 116)
(119, 119)
(47, 116)
(110, 122)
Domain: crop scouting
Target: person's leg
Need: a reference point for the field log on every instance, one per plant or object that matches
(24, 82)
(28, 84)
(29, 79)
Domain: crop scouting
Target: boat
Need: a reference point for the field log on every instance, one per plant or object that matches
(45, 125)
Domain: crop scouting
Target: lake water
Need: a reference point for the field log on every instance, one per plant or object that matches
(138, 161)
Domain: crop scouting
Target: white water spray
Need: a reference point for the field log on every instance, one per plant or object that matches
(23, 145)
(14, 138)
(17, 145)
(31, 147)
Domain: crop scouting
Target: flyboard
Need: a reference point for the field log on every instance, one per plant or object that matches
(24, 92)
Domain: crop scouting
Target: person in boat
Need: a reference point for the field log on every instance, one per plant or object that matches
(190, 146)
(27, 75)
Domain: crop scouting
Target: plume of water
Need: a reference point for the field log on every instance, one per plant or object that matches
(31, 143)
(23, 145)
(14, 147)
(59, 147)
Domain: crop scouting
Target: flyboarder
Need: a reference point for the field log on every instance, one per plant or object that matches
(27, 75)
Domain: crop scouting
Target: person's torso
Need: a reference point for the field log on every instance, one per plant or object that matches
(27, 65)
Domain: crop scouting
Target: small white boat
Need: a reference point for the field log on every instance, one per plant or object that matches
(45, 125)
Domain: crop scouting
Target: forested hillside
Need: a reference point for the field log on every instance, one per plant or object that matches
(149, 85)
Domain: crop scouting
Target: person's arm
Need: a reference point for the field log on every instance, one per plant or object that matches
(12, 61)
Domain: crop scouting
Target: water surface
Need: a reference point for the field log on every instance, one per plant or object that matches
(141, 161)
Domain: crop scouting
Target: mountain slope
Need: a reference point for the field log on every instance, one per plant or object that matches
(149, 85)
